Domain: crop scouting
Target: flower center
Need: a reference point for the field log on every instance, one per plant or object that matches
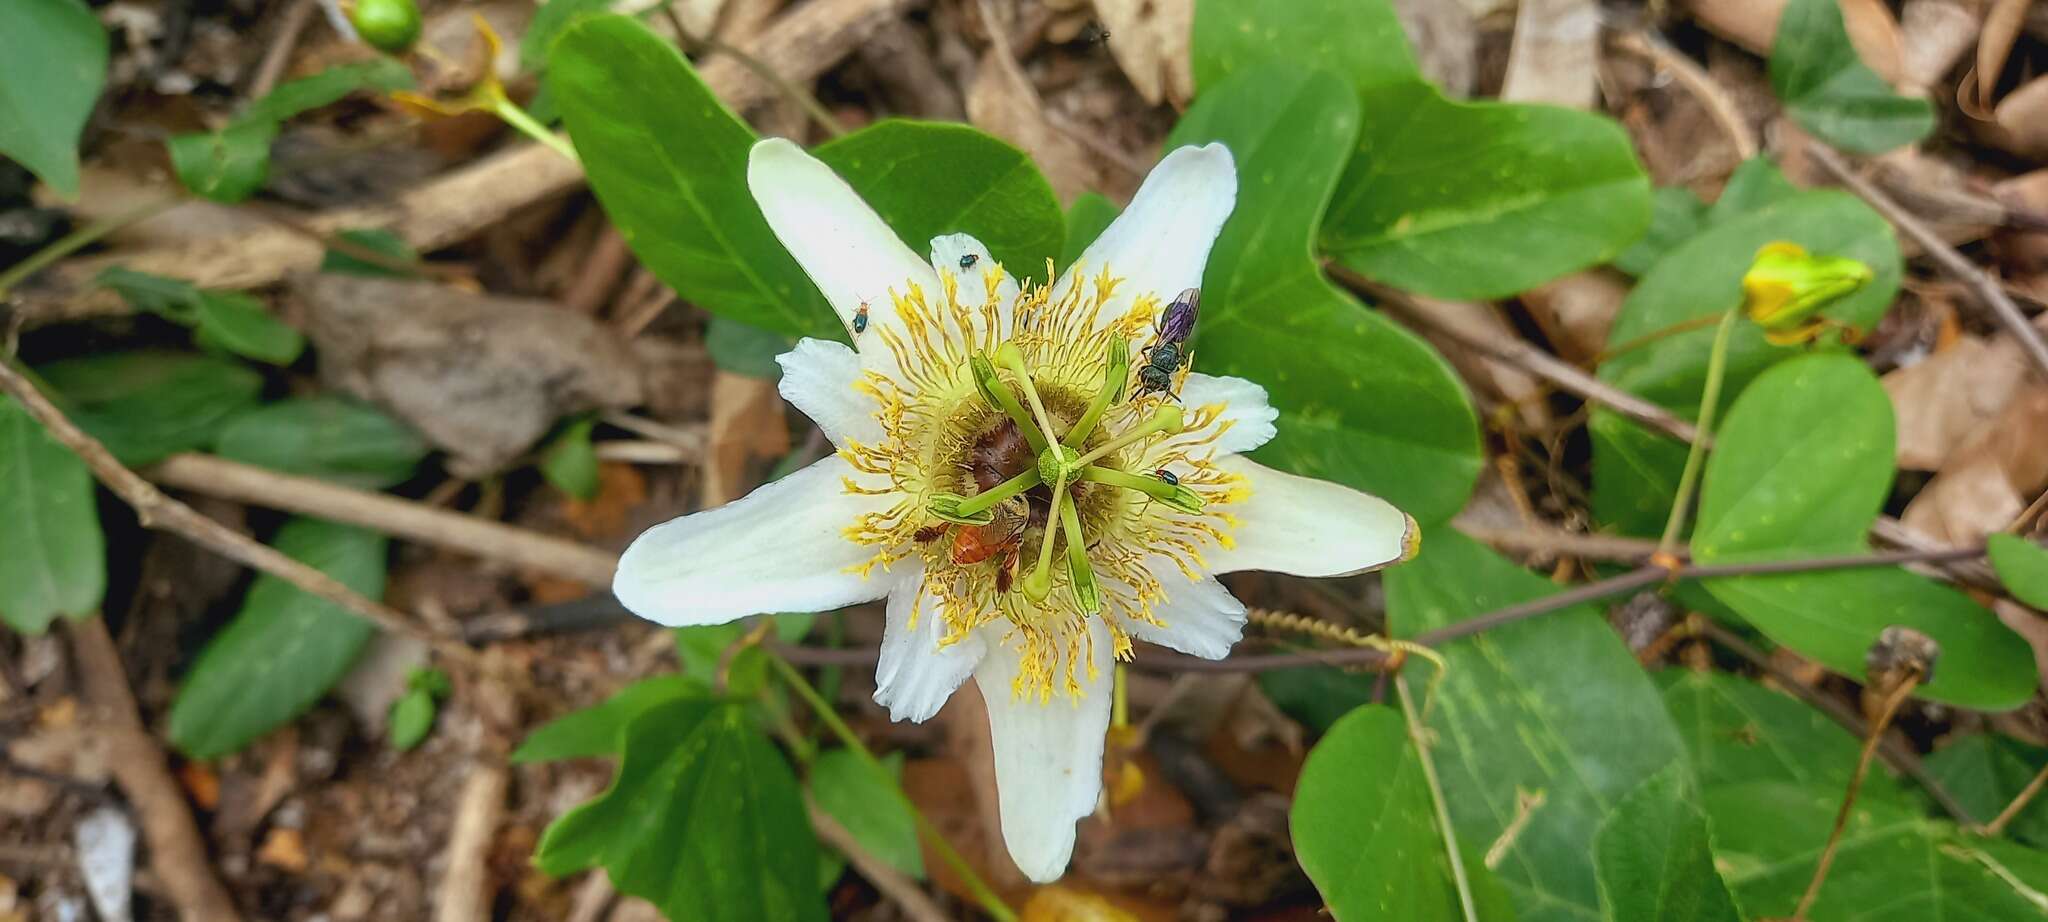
(1035, 481)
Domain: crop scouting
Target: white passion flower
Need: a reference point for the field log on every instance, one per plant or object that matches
(1004, 477)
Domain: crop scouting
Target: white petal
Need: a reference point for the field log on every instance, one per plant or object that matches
(1245, 411)
(817, 378)
(1160, 243)
(1310, 527)
(779, 548)
(849, 253)
(1048, 756)
(915, 675)
(947, 252)
(1202, 618)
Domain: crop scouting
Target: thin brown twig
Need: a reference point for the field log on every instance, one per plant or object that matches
(1897, 755)
(391, 515)
(156, 510)
(1523, 355)
(1702, 86)
(2019, 802)
(904, 892)
(1885, 714)
(1980, 283)
(177, 851)
(279, 54)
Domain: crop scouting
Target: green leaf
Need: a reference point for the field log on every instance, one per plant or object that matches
(703, 819)
(1652, 859)
(1554, 705)
(412, 717)
(745, 349)
(53, 61)
(570, 461)
(376, 240)
(1471, 200)
(1825, 87)
(700, 648)
(1675, 216)
(669, 164)
(1635, 471)
(2023, 566)
(598, 731)
(148, 404)
(1737, 731)
(1986, 772)
(1756, 184)
(226, 166)
(285, 648)
(1360, 40)
(56, 559)
(1362, 401)
(1800, 469)
(1801, 466)
(224, 321)
(931, 178)
(870, 805)
(229, 165)
(1374, 850)
(1087, 218)
(548, 22)
(1891, 864)
(330, 437)
(236, 323)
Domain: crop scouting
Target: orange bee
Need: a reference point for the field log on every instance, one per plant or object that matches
(929, 533)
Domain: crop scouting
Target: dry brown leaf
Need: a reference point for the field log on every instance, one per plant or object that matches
(1951, 395)
(284, 849)
(1445, 37)
(1002, 104)
(1553, 56)
(482, 377)
(1753, 24)
(1149, 39)
(2001, 29)
(2026, 192)
(1989, 480)
(746, 423)
(1937, 32)
(1576, 311)
(2020, 123)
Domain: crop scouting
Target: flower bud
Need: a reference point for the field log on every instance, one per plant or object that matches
(390, 26)
(1786, 288)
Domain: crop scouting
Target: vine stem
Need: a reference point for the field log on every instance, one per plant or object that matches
(72, 242)
(1688, 481)
(509, 111)
(1416, 736)
(983, 893)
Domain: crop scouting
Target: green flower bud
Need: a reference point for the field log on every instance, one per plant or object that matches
(390, 26)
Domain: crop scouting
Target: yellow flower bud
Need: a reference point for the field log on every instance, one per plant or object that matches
(1786, 288)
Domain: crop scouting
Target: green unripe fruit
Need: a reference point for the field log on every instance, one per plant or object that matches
(390, 26)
